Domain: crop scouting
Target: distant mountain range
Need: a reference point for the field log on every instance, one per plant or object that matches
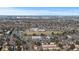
(21, 17)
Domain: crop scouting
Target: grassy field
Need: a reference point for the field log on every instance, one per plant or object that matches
(45, 32)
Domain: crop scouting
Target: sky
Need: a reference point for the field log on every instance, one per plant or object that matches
(39, 10)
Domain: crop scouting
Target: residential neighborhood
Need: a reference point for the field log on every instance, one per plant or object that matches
(39, 33)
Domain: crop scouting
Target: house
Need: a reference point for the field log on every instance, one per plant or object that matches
(41, 30)
(47, 37)
(37, 29)
(36, 37)
(33, 29)
(50, 47)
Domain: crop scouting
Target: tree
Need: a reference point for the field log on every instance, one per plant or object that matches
(56, 41)
(77, 42)
(52, 33)
(51, 39)
(34, 34)
(72, 46)
(18, 42)
(25, 34)
(72, 39)
(23, 42)
(34, 42)
(60, 45)
(38, 44)
(42, 34)
(73, 31)
(64, 33)
(0, 48)
(19, 48)
(48, 42)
